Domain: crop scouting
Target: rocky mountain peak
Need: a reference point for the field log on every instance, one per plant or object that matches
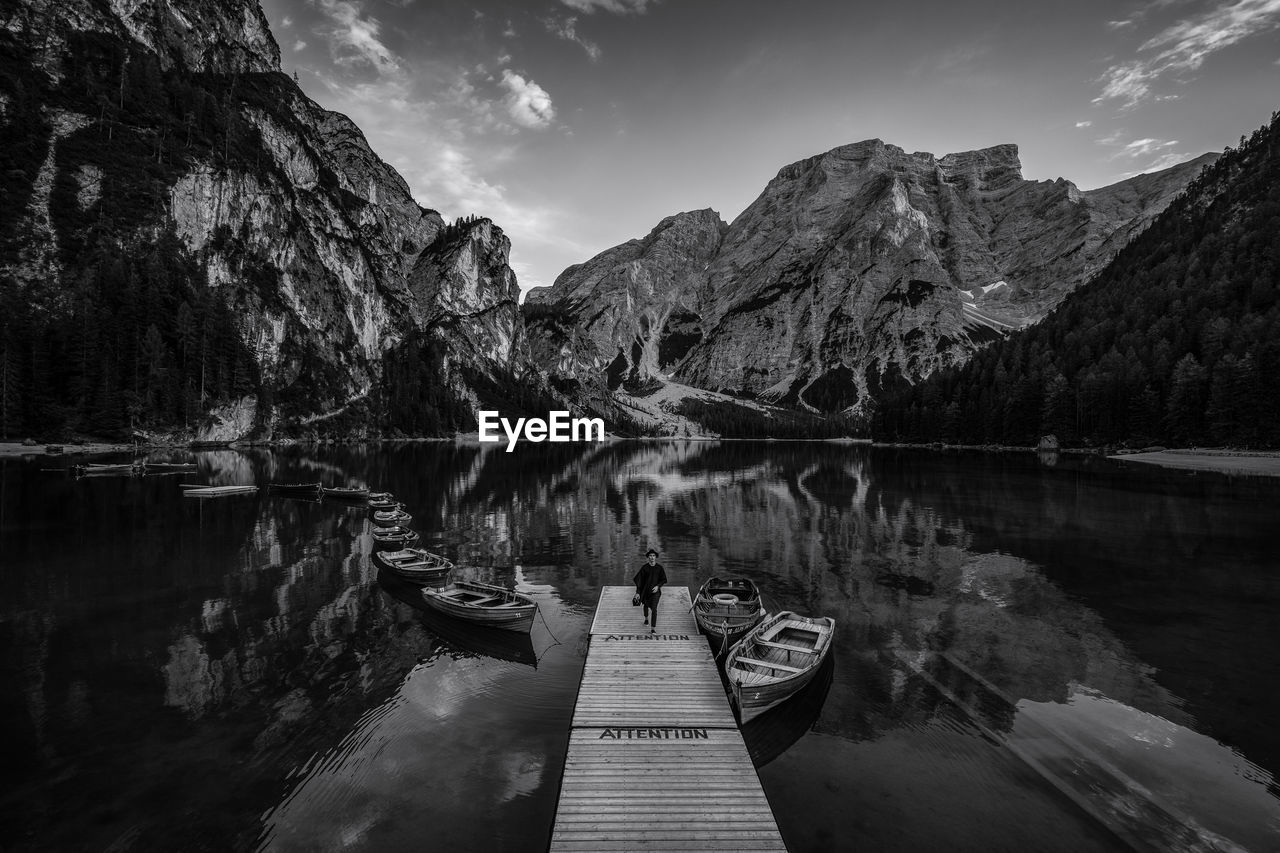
(633, 309)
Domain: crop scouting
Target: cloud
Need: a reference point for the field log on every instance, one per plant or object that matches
(1084, 124)
(566, 29)
(1144, 147)
(1158, 153)
(287, 22)
(528, 103)
(1164, 161)
(618, 7)
(1182, 48)
(355, 39)
(1119, 25)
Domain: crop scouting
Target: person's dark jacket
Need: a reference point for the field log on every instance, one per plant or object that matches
(647, 578)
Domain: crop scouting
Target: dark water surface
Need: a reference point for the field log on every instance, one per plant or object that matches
(178, 674)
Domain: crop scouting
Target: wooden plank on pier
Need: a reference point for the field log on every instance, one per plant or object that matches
(655, 759)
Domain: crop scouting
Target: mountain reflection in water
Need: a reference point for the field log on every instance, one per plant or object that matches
(233, 674)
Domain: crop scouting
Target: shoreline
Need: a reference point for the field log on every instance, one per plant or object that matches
(1261, 463)
(1214, 459)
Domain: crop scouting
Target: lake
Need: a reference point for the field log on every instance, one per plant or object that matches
(1032, 652)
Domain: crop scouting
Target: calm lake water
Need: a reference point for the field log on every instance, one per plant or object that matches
(178, 674)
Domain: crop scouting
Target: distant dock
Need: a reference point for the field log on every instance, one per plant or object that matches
(655, 760)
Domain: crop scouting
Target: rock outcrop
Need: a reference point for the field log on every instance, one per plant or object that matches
(859, 267)
(634, 309)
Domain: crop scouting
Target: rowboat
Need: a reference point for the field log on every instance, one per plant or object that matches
(342, 493)
(484, 604)
(114, 468)
(309, 489)
(380, 496)
(384, 503)
(392, 517)
(394, 536)
(460, 639)
(775, 659)
(217, 491)
(416, 564)
(725, 610)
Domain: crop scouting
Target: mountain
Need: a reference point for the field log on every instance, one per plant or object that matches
(1176, 341)
(852, 269)
(189, 244)
(635, 306)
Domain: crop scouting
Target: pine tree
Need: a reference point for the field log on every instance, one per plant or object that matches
(1184, 414)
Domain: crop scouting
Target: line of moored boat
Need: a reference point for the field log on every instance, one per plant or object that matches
(481, 603)
(769, 657)
(138, 467)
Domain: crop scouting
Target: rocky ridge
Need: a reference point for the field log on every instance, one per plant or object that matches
(856, 268)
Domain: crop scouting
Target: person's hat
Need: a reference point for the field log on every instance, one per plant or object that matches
(651, 551)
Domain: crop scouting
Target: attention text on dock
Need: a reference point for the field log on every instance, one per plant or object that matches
(614, 637)
(665, 733)
(558, 427)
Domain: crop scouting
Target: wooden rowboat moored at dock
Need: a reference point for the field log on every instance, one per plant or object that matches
(416, 564)
(391, 517)
(726, 609)
(775, 659)
(344, 493)
(484, 604)
(113, 468)
(308, 489)
(217, 491)
(389, 536)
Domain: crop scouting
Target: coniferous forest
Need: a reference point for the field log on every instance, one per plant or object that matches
(133, 338)
(1176, 342)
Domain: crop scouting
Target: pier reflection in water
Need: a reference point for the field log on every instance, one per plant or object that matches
(234, 673)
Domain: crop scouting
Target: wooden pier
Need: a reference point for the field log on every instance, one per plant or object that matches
(655, 760)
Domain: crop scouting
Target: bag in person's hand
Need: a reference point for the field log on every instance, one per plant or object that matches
(635, 600)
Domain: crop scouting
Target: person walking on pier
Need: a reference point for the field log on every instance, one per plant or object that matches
(649, 581)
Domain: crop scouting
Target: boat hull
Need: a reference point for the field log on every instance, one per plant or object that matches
(394, 538)
(754, 700)
(345, 494)
(394, 518)
(753, 691)
(431, 569)
(308, 489)
(514, 618)
(725, 621)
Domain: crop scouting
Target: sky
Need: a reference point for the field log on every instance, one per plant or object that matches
(576, 125)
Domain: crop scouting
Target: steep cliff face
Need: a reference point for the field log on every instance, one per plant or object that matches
(854, 268)
(466, 297)
(634, 310)
(164, 130)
